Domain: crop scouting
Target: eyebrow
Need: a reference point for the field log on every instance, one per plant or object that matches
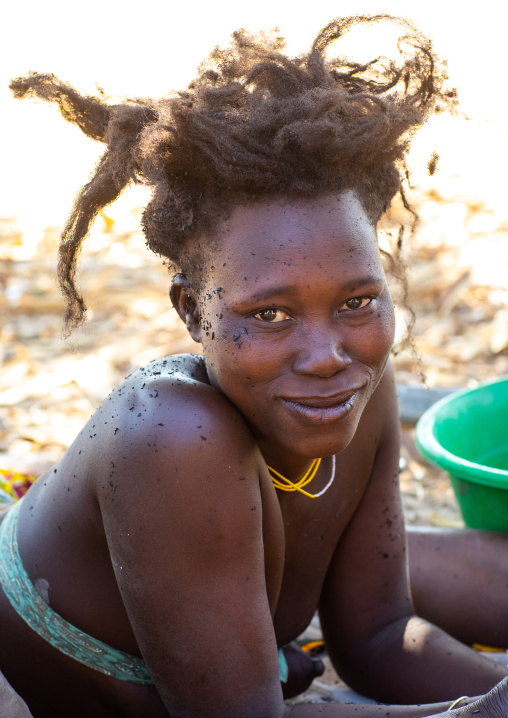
(289, 289)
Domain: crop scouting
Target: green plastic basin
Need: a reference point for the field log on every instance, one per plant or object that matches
(466, 433)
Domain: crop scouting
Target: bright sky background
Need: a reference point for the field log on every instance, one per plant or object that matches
(152, 46)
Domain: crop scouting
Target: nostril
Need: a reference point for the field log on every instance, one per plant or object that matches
(323, 361)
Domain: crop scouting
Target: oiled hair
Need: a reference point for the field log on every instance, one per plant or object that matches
(254, 124)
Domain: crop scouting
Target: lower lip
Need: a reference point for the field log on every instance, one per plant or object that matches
(323, 414)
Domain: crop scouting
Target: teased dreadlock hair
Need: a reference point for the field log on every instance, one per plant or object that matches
(253, 124)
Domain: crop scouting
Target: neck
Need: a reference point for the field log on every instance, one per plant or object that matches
(290, 466)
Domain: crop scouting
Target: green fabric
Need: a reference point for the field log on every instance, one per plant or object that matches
(39, 615)
(283, 667)
(61, 634)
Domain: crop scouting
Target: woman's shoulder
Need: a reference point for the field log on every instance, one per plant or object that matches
(173, 392)
(165, 419)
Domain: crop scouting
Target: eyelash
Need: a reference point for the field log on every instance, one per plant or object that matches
(349, 309)
(354, 299)
(270, 309)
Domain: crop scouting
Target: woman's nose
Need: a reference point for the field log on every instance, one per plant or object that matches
(322, 353)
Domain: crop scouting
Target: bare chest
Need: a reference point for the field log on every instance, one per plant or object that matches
(311, 532)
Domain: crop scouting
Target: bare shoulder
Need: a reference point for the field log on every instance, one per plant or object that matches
(177, 464)
(167, 404)
(175, 390)
(164, 426)
(181, 505)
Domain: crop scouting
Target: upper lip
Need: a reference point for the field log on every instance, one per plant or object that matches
(323, 400)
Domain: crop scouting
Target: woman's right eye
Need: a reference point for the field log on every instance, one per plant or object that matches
(272, 316)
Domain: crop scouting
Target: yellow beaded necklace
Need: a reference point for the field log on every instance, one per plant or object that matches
(306, 479)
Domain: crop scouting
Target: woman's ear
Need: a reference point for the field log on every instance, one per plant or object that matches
(185, 301)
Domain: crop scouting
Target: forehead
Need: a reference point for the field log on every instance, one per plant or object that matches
(318, 228)
(281, 236)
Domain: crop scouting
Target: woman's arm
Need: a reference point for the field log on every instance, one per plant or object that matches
(492, 705)
(183, 522)
(355, 710)
(374, 639)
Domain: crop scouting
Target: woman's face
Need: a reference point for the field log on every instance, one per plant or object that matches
(297, 321)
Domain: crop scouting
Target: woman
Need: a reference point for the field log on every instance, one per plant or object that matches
(213, 503)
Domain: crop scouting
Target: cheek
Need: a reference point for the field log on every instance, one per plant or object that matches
(226, 346)
(232, 353)
(386, 319)
(378, 336)
(237, 371)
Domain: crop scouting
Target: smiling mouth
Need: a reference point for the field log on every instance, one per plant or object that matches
(322, 409)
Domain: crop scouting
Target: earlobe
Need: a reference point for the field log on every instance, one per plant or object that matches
(185, 302)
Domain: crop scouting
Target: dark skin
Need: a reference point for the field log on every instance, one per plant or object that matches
(160, 531)
(467, 580)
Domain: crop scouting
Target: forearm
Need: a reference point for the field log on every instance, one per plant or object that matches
(352, 710)
(413, 661)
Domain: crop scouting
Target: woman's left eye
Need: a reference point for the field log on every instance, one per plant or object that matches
(272, 316)
(356, 303)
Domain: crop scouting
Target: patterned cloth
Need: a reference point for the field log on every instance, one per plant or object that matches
(14, 485)
(39, 615)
